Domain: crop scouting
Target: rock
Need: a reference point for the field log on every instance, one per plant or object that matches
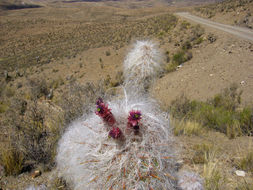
(50, 94)
(36, 173)
(19, 73)
(211, 75)
(240, 173)
(211, 38)
(242, 82)
(7, 77)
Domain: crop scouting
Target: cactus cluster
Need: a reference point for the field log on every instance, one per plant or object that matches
(126, 143)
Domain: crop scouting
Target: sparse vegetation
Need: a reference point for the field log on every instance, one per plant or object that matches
(38, 99)
(35, 127)
(188, 128)
(85, 36)
(214, 180)
(19, 6)
(203, 153)
(246, 163)
(220, 113)
(12, 160)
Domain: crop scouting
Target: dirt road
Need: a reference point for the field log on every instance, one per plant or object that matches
(238, 31)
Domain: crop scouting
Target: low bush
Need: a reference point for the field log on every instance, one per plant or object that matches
(30, 134)
(186, 45)
(78, 99)
(220, 113)
(12, 160)
(188, 128)
(3, 107)
(38, 88)
(179, 57)
(185, 25)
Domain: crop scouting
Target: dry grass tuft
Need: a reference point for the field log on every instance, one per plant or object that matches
(12, 160)
(214, 180)
(188, 128)
(246, 162)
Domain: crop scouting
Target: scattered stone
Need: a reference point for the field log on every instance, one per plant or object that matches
(211, 38)
(7, 77)
(50, 94)
(19, 85)
(179, 164)
(36, 173)
(179, 66)
(240, 173)
(69, 77)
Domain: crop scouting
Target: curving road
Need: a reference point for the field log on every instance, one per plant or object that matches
(238, 31)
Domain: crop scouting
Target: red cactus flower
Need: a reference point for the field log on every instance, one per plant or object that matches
(115, 133)
(134, 118)
(104, 112)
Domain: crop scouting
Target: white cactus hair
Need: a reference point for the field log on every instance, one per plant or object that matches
(190, 181)
(142, 64)
(88, 159)
(39, 187)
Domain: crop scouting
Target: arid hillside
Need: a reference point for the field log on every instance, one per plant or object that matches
(234, 12)
(57, 59)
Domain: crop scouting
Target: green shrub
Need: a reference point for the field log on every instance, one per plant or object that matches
(185, 25)
(197, 31)
(186, 45)
(246, 121)
(220, 113)
(230, 98)
(3, 107)
(181, 107)
(179, 58)
(170, 67)
(198, 40)
(38, 88)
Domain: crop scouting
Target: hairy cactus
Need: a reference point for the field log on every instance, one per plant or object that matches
(126, 143)
(141, 66)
